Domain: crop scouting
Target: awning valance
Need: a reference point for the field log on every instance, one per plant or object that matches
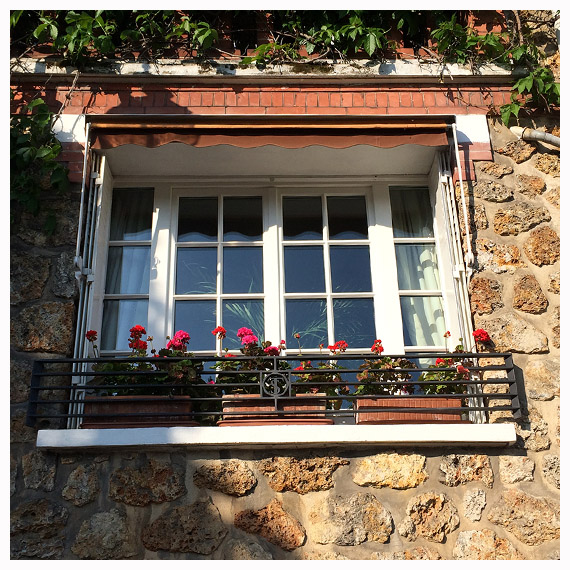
(285, 132)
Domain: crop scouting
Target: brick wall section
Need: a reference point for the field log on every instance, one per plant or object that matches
(243, 99)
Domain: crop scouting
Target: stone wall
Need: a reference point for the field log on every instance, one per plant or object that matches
(345, 505)
(378, 504)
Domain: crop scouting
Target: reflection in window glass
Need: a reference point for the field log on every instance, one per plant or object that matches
(243, 219)
(308, 318)
(302, 218)
(423, 319)
(243, 270)
(354, 321)
(128, 270)
(411, 212)
(350, 268)
(347, 217)
(198, 219)
(119, 316)
(304, 269)
(196, 269)
(238, 313)
(198, 319)
(417, 267)
(131, 214)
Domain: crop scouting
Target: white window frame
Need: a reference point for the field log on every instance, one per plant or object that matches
(385, 292)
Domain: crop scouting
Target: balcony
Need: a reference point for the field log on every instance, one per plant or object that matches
(366, 392)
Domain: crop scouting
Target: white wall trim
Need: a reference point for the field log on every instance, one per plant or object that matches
(282, 436)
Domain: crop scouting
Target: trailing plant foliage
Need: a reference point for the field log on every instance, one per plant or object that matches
(292, 35)
(34, 169)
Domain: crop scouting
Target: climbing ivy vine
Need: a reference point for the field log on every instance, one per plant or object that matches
(34, 169)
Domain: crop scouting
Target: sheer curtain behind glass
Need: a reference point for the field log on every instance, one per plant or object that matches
(418, 274)
(128, 266)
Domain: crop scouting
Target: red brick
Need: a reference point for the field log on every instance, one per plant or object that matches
(171, 110)
(207, 99)
(254, 99)
(231, 99)
(311, 100)
(195, 99)
(407, 110)
(405, 99)
(393, 99)
(219, 99)
(245, 110)
(277, 99)
(326, 111)
(382, 99)
(300, 99)
(334, 98)
(347, 99)
(429, 99)
(417, 99)
(288, 99)
(441, 99)
(370, 99)
(285, 110)
(358, 99)
(366, 111)
(265, 99)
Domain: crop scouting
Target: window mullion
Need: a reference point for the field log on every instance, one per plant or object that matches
(327, 269)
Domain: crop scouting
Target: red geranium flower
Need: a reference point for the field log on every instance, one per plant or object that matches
(91, 336)
(220, 332)
(377, 347)
(481, 335)
(137, 331)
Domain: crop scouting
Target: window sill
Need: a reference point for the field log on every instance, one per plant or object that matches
(281, 436)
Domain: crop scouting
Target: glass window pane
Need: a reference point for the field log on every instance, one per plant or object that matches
(304, 269)
(243, 218)
(307, 317)
(237, 313)
(411, 212)
(243, 270)
(198, 319)
(196, 269)
(347, 217)
(350, 268)
(128, 270)
(302, 218)
(354, 322)
(119, 317)
(198, 219)
(131, 214)
(424, 323)
(417, 267)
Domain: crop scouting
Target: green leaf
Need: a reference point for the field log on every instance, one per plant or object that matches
(370, 44)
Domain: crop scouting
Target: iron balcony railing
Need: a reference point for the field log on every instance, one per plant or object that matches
(346, 388)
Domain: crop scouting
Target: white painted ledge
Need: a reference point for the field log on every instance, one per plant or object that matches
(282, 436)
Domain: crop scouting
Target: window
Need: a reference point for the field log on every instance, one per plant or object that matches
(328, 260)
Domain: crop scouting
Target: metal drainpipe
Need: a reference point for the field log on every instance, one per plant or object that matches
(527, 134)
(469, 258)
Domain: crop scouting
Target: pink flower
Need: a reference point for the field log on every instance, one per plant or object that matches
(249, 339)
(244, 332)
(179, 341)
(271, 350)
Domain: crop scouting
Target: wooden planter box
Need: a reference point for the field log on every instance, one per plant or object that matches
(134, 405)
(408, 417)
(244, 403)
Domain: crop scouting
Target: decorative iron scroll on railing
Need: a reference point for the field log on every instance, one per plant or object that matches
(124, 392)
